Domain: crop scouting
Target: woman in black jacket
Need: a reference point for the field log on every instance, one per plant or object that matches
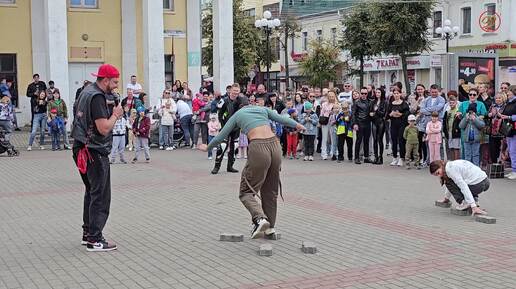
(451, 128)
(398, 112)
(378, 109)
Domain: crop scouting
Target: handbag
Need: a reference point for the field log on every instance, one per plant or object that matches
(507, 127)
(323, 120)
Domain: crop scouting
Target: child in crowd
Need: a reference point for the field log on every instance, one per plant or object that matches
(214, 128)
(132, 118)
(471, 126)
(291, 136)
(412, 142)
(141, 129)
(56, 128)
(118, 146)
(434, 137)
(451, 128)
(167, 114)
(6, 116)
(344, 132)
(332, 122)
(310, 120)
(242, 146)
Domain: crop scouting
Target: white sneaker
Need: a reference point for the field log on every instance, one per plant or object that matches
(270, 231)
(324, 158)
(261, 226)
(29, 148)
(310, 158)
(462, 206)
(161, 147)
(512, 176)
(305, 158)
(394, 162)
(210, 158)
(131, 149)
(169, 149)
(41, 147)
(238, 157)
(400, 162)
(194, 147)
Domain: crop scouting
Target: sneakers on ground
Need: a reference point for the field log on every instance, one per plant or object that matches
(100, 246)
(134, 160)
(84, 241)
(512, 176)
(324, 158)
(41, 147)
(394, 162)
(305, 158)
(261, 225)
(400, 162)
(210, 158)
(147, 160)
(462, 207)
(194, 147)
(270, 231)
(29, 148)
(161, 148)
(169, 149)
(311, 158)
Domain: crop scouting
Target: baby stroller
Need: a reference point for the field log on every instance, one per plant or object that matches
(6, 146)
(179, 136)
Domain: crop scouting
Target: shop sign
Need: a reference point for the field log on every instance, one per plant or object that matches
(477, 70)
(435, 60)
(502, 49)
(394, 63)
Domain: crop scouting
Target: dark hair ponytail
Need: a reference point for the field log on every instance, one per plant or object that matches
(436, 165)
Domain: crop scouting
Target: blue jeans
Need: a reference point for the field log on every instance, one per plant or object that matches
(187, 126)
(55, 140)
(40, 121)
(472, 152)
(210, 152)
(166, 135)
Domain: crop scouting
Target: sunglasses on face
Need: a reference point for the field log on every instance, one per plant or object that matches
(167, 92)
(472, 94)
(363, 93)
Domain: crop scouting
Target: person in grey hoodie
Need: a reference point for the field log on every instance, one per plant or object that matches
(471, 124)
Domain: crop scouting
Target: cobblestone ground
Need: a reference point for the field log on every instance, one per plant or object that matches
(374, 227)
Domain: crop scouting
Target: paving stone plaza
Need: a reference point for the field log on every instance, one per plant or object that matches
(373, 227)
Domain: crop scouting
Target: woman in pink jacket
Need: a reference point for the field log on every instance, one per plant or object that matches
(434, 137)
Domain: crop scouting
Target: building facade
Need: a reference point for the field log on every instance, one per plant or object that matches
(66, 40)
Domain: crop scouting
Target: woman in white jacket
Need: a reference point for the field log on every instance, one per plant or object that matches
(464, 181)
(167, 113)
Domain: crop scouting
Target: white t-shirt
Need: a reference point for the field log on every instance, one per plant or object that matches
(345, 97)
(464, 173)
(134, 87)
(183, 109)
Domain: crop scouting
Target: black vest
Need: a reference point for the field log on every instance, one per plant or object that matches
(84, 130)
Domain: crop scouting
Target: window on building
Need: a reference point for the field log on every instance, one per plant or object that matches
(334, 36)
(292, 44)
(276, 47)
(319, 35)
(491, 13)
(7, 1)
(290, 2)
(466, 20)
(273, 8)
(304, 39)
(8, 70)
(250, 12)
(169, 69)
(84, 3)
(438, 21)
(168, 5)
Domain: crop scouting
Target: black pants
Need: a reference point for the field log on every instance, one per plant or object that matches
(363, 135)
(341, 139)
(494, 148)
(283, 141)
(309, 144)
(378, 130)
(319, 139)
(423, 151)
(475, 189)
(398, 142)
(97, 196)
(230, 144)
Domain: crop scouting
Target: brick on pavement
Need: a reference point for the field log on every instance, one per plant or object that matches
(377, 226)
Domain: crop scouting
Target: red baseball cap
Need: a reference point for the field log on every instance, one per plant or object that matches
(53, 110)
(107, 71)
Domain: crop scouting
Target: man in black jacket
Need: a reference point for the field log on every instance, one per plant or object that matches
(362, 125)
(32, 92)
(230, 106)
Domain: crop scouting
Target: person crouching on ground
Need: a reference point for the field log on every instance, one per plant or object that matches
(141, 129)
(464, 181)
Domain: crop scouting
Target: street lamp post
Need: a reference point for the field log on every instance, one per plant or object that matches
(447, 32)
(267, 24)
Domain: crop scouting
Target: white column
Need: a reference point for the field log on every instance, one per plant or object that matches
(223, 69)
(129, 53)
(193, 34)
(39, 38)
(153, 50)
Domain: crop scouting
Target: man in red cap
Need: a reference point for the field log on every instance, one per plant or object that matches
(92, 132)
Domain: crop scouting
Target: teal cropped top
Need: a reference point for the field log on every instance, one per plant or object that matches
(250, 117)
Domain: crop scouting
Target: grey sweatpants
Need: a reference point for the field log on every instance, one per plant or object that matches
(262, 174)
(118, 148)
(142, 143)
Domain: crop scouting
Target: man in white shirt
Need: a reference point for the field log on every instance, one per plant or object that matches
(185, 118)
(135, 86)
(463, 180)
(346, 95)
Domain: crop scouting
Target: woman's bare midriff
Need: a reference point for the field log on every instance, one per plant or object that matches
(261, 132)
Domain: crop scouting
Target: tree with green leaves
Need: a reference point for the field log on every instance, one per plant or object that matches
(245, 41)
(356, 35)
(401, 29)
(320, 66)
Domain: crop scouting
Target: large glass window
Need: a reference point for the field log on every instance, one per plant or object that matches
(84, 3)
(319, 35)
(7, 1)
(466, 20)
(168, 5)
(334, 36)
(8, 71)
(438, 21)
(169, 70)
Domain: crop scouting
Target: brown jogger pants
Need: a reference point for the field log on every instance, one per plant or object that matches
(262, 174)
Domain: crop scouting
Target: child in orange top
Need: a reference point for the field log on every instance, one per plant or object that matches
(434, 137)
